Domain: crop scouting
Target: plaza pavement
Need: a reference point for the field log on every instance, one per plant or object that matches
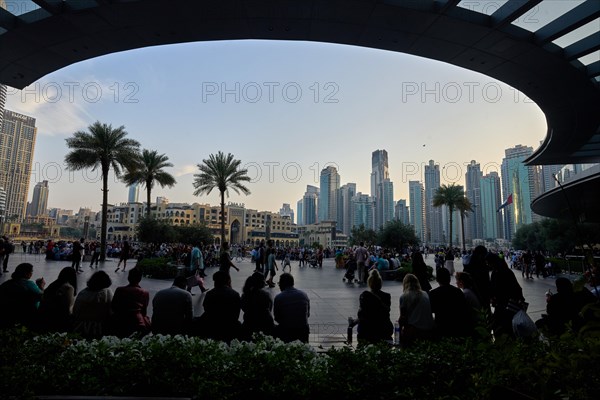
(332, 301)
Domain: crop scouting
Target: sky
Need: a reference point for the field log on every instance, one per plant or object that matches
(285, 109)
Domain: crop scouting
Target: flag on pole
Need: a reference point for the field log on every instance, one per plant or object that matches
(506, 203)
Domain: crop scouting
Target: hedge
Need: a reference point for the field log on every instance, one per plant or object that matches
(61, 365)
(158, 268)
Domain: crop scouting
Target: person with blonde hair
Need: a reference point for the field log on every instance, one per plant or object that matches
(374, 322)
(416, 320)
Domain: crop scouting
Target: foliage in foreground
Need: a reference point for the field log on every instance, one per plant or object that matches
(58, 364)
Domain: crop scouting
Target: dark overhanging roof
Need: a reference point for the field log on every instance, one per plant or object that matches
(576, 200)
(63, 32)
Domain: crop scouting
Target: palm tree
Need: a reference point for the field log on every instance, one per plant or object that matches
(150, 171)
(450, 196)
(464, 206)
(222, 172)
(102, 146)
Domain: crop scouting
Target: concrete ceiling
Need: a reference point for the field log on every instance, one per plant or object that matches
(60, 33)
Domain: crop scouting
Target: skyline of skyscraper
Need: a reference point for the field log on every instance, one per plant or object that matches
(17, 143)
(329, 184)
(308, 206)
(520, 181)
(134, 193)
(433, 215)
(2, 205)
(380, 191)
(491, 199)
(3, 91)
(344, 207)
(401, 212)
(363, 209)
(39, 199)
(473, 224)
(417, 209)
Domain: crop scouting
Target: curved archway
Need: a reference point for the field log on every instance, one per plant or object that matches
(490, 44)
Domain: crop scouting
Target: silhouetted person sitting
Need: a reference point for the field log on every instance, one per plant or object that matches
(92, 309)
(130, 305)
(564, 308)
(291, 310)
(257, 306)
(374, 322)
(56, 308)
(220, 320)
(20, 298)
(172, 309)
(448, 304)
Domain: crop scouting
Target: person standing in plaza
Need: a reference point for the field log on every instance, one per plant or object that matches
(95, 248)
(124, 255)
(76, 255)
(2, 252)
(419, 269)
(271, 266)
(361, 255)
(9, 248)
(260, 257)
(291, 309)
(197, 260)
(225, 263)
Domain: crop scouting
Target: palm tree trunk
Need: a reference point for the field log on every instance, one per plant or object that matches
(148, 190)
(222, 218)
(462, 226)
(451, 211)
(104, 214)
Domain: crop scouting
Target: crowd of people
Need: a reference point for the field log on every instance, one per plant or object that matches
(96, 310)
(486, 283)
(486, 293)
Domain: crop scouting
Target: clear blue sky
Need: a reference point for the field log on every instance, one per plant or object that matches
(352, 102)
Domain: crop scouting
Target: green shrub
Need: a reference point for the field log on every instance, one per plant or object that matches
(59, 364)
(158, 268)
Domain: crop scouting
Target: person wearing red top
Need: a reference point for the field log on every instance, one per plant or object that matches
(130, 305)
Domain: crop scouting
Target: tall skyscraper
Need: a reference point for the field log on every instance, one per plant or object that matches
(417, 209)
(548, 172)
(381, 188)
(433, 215)
(2, 207)
(2, 103)
(363, 210)
(401, 212)
(286, 211)
(299, 212)
(2, 87)
(134, 193)
(344, 207)
(310, 203)
(522, 182)
(330, 182)
(39, 201)
(490, 201)
(17, 142)
(473, 223)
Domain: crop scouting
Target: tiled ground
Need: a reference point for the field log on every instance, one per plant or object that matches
(332, 301)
